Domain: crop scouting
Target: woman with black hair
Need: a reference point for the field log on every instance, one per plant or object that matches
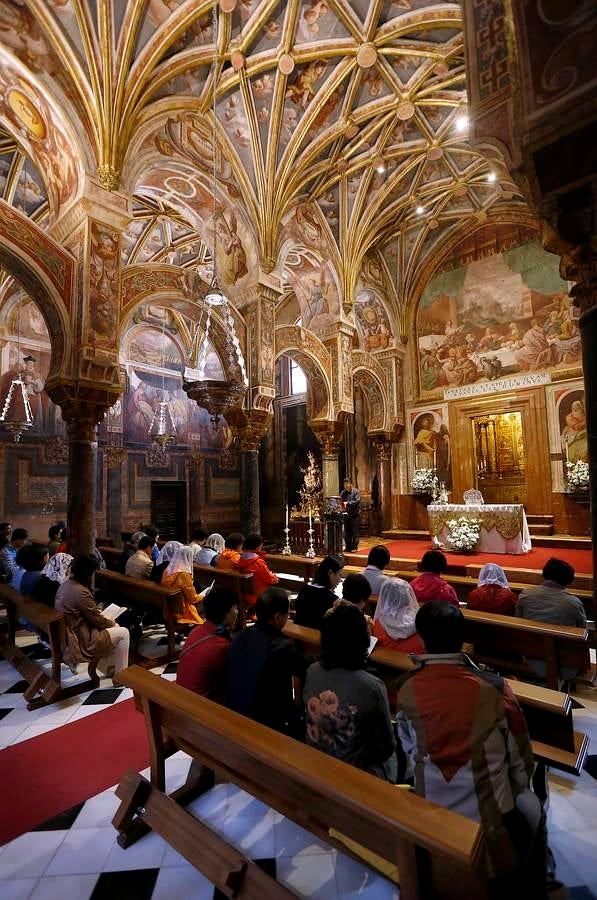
(348, 714)
(91, 636)
(313, 600)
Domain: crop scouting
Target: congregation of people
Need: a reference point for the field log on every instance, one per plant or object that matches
(438, 744)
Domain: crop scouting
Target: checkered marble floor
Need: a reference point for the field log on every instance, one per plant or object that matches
(75, 855)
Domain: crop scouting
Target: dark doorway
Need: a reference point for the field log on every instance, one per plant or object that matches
(169, 509)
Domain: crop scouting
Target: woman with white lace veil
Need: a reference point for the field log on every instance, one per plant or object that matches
(164, 557)
(54, 573)
(492, 593)
(210, 551)
(179, 574)
(394, 621)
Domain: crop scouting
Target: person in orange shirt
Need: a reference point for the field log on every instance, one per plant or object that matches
(179, 574)
(230, 556)
(252, 561)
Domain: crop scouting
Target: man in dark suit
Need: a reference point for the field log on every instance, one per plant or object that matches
(352, 515)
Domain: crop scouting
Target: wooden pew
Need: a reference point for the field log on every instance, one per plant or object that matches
(548, 713)
(43, 687)
(438, 852)
(111, 556)
(240, 583)
(112, 587)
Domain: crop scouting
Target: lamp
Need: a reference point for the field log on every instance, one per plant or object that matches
(216, 396)
(162, 429)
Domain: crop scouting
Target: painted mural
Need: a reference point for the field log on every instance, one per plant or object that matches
(567, 422)
(430, 442)
(496, 316)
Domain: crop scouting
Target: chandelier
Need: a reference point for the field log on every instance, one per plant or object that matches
(217, 397)
(162, 430)
(16, 415)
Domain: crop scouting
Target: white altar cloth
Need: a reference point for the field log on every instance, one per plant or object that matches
(504, 527)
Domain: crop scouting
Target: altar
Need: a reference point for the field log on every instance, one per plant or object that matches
(504, 527)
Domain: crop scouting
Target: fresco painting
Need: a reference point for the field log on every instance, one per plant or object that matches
(497, 316)
(431, 447)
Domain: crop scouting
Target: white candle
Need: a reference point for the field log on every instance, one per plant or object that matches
(287, 515)
(310, 526)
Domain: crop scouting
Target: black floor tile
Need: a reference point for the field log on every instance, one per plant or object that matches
(5, 712)
(591, 765)
(268, 865)
(102, 696)
(62, 821)
(36, 651)
(18, 688)
(135, 884)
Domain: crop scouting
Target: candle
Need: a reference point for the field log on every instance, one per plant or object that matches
(287, 515)
(310, 525)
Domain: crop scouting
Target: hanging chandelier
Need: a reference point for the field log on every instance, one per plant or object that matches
(16, 414)
(162, 430)
(217, 397)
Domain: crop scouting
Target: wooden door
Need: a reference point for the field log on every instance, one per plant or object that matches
(169, 509)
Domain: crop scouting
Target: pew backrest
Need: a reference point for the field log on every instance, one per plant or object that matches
(240, 583)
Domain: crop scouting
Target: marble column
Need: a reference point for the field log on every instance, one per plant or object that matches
(250, 516)
(330, 475)
(114, 458)
(383, 451)
(195, 506)
(82, 470)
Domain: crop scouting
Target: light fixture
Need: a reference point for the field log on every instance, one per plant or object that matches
(162, 430)
(420, 210)
(380, 165)
(491, 176)
(461, 122)
(216, 396)
(16, 415)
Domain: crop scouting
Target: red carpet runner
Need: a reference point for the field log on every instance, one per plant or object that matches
(48, 774)
(580, 560)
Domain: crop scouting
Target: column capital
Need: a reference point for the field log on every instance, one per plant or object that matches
(329, 435)
(249, 427)
(580, 266)
(114, 456)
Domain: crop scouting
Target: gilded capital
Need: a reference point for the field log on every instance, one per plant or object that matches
(108, 177)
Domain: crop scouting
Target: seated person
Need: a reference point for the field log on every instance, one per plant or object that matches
(198, 539)
(492, 594)
(63, 545)
(252, 562)
(164, 558)
(8, 554)
(261, 665)
(378, 559)
(54, 573)
(54, 539)
(129, 550)
(229, 558)
(348, 714)
(313, 600)
(90, 635)
(355, 592)
(5, 533)
(33, 559)
(179, 574)
(140, 564)
(152, 531)
(430, 585)
(203, 662)
(551, 602)
(394, 620)
(468, 749)
(213, 546)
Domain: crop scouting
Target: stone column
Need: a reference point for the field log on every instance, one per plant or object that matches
(249, 428)
(581, 266)
(82, 473)
(195, 465)
(383, 453)
(113, 458)
(329, 435)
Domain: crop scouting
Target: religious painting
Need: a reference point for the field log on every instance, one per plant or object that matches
(506, 313)
(314, 285)
(364, 469)
(566, 414)
(103, 284)
(429, 442)
(372, 321)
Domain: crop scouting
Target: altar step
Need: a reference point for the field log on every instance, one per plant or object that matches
(540, 539)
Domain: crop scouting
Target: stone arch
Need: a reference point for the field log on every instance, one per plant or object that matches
(46, 271)
(370, 377)
(315, 361)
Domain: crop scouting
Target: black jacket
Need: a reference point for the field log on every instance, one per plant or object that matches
(311, 604)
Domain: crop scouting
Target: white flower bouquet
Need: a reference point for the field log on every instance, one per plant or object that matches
(577, 475)
(423, 481)
(463, 533)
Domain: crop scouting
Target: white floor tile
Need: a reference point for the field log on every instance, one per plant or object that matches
(575, 850)
(9, 734)
(83, 851)
(291, 840)
(35, 730)
(17, 888)
(98, 812)
(30, 854)
(147, 853)
(354, 879)
(59, 887)
(182, 883)
(242, 804)
(310, 876)
(211, 805)
(253, 835)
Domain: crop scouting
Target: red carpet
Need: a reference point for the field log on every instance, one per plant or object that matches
(48, 774)
(580, 560)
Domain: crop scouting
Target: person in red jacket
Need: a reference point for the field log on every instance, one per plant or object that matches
(229, 558)
(252, 561)
(429, 585)
(203, 663)
(492, 593)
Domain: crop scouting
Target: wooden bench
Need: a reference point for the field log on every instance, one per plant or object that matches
(240, 583)
(438, 852)
(112, 587)
(111, 556)
(548, 713)
(43, 687)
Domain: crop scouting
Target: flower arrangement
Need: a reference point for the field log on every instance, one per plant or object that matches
(577, 475)
(463, 533)
(423, 481)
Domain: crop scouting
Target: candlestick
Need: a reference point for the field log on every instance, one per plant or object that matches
(286, 515)
(310, 554)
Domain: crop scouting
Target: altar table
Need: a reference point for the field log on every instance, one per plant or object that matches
(504, 527)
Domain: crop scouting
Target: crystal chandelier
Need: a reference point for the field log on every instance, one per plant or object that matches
(216, 396)
(16, 414)
(162, 430)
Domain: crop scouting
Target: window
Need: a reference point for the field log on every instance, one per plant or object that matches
(298, 379)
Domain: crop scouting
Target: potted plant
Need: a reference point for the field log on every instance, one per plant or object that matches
(463, 534)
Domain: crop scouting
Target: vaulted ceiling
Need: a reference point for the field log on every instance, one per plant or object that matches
(348, 118)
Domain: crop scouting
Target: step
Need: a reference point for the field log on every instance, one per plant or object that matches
(405, 534)
(539, 520)
(568, 541)
(540, 530)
